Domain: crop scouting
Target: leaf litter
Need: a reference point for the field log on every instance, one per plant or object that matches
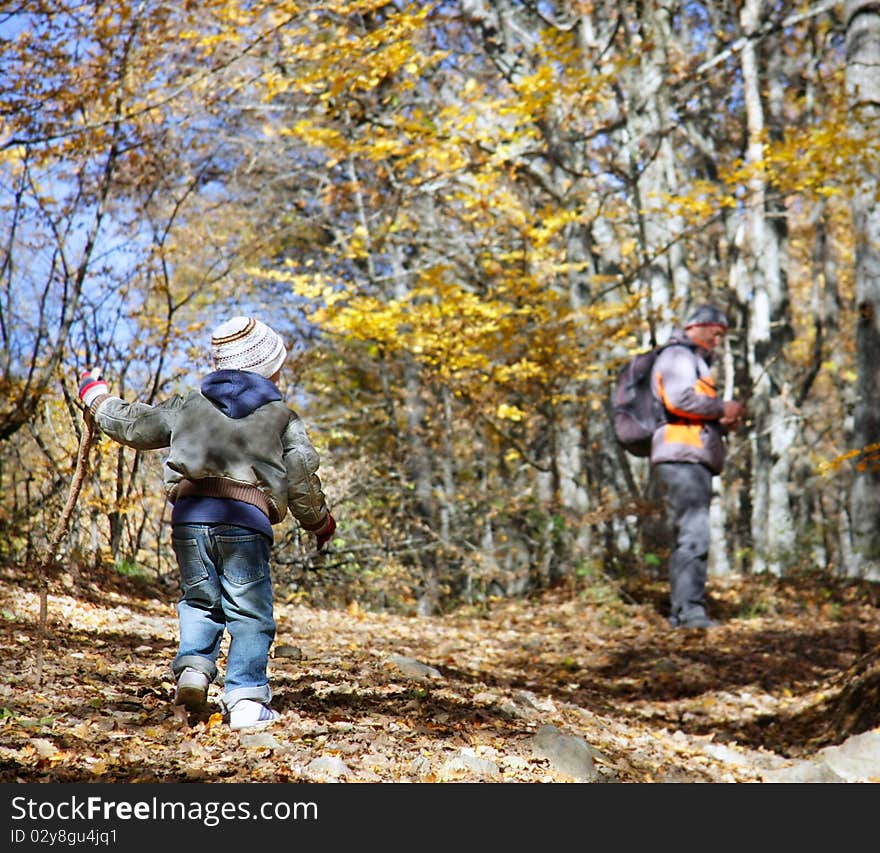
(565, 686)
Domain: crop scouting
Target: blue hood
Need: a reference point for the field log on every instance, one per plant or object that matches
(237, 393)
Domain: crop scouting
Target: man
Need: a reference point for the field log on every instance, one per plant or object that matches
(687, 451)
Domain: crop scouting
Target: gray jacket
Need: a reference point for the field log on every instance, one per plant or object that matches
(682, 380)
(240, 437)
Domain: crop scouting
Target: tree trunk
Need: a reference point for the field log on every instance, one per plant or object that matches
(863, 92)
(772, 435)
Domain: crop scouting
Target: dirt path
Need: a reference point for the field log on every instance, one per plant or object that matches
(378, 698)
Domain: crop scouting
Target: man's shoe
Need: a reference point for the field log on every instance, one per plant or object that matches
(192, 690)
(249, 714)
(698, 622)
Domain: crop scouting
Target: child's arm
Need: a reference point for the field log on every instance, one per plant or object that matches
(305, 495)
(137, 425)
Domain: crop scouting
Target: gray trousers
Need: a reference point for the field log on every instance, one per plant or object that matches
(686, 488)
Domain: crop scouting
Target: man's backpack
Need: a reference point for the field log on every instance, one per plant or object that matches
(636, 412)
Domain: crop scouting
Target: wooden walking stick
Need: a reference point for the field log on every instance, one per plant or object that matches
(79, 472)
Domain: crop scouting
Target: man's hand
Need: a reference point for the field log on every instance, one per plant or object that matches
(733, 414)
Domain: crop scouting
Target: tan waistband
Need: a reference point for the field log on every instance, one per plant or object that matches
(218, 487)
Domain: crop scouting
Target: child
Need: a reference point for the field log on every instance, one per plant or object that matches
(238, 459)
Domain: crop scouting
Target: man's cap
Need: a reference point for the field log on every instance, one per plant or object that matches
(706, 315)
(245, 343)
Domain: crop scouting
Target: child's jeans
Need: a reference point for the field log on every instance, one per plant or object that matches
(224, 572)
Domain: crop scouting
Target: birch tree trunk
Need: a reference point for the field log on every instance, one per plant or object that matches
(773, 433)
(863, 92)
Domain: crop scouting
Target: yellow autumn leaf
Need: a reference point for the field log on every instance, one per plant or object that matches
(214, 720)
(509, 413)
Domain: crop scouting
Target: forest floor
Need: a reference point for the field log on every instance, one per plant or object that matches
(373, 697)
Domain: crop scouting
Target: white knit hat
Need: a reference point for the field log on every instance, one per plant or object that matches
(244, 343)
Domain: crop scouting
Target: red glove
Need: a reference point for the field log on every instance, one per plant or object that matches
(91, 386)
(325, 533)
